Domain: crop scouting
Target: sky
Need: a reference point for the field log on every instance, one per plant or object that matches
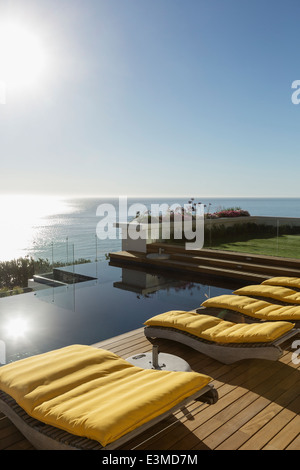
(151, 98)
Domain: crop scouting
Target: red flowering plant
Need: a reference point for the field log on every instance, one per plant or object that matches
(232, 212)
(189, 211)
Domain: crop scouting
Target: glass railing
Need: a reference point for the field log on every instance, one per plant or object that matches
(267, 236)
(74, 251)
(17, 276)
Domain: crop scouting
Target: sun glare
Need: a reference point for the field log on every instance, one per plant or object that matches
(17, 328)
(22, 218)
(22, 56)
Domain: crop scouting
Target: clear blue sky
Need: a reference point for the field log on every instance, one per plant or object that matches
(156, 97)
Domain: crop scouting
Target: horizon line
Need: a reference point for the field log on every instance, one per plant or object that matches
(131, 196)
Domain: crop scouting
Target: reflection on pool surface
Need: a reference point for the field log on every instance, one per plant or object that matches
(117, 300)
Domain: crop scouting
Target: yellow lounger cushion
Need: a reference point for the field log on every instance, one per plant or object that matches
(274, 292)
(94, 393)
(254, 307)
(220, 331)
(283, 281)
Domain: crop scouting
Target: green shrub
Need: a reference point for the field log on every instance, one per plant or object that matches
(15, 273)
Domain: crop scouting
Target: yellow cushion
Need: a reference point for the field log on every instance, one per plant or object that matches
(254, 308)
(220, 331)
(94, 393)
(274, 292)
(283, 281)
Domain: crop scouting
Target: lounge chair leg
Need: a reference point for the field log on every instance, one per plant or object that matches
(187, 413)
(155, 353)
(211, 397)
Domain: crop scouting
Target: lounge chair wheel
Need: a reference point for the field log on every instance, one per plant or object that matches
(211, 397)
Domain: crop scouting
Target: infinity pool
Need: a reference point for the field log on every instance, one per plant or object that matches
(114, 301)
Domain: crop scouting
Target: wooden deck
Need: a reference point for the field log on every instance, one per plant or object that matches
(258, 406)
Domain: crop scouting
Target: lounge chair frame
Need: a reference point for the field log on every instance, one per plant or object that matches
(227, 353)
(45, 437)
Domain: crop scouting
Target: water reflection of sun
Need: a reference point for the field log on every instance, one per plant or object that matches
(19, 218)
(16, 328)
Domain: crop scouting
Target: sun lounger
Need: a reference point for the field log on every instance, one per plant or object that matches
(278, 293)
(225, 341)
(253, 308)
(81, 397)
(291, 282)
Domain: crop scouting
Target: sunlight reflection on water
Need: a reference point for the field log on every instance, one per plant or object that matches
(24, 220)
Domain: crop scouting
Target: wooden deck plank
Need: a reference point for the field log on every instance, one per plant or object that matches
(241, 266)
(254, 433)
(242, 407)
(285, 436)
(258, 404)
(295, 444)
(267, 424)
(11, 438)
(140, 259)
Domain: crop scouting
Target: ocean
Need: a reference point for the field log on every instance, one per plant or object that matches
(64, 229)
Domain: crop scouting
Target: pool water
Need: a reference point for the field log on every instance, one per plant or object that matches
(114, 301)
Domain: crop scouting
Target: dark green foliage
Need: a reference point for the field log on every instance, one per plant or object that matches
(15, 273)
(246, 231)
